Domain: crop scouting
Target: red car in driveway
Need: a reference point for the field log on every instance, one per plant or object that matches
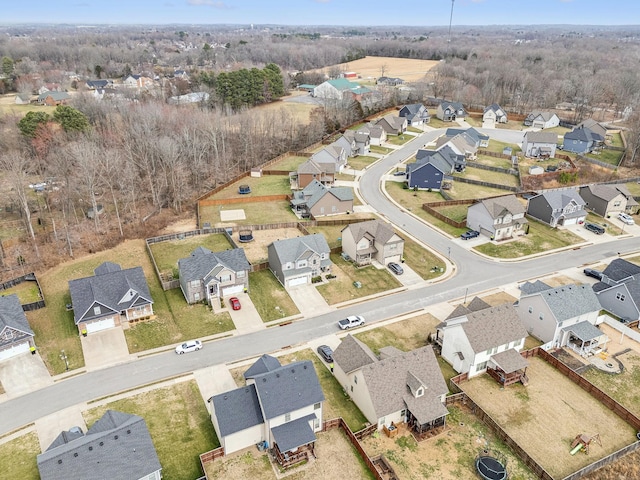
(235, 303)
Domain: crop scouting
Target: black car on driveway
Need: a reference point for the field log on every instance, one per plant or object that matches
(590, 272)
(326, 353)
(469, 234)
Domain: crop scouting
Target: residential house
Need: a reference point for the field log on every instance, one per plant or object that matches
(596, 128)
(581, 140)
(118, 447)
(377, 135)
(311, 170)
(317, 200)
(361, 140)
(493, 114)
(416, 114)
(16, 336)
(372, 240)
(558, 208)
(399, 387)
(49, 87)
(348, 144)
(137, 81)
(281, 405)
(296, 261)
(23, 99)
(472, 336)
(208, 276)
(564, 316)
(500, 218)
(432, 167)
(450, 111)
(479, 139)
(619, 290)
(461, 144)
(53, 99)
(389, 81)
(98, 84)
(340, 89)
(334, 155)
(392, 125)
(605, 200)
(541, 120)
(110, 297)
(540, 144)
(181, 74)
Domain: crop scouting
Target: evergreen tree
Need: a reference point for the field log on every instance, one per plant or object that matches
(28, 125)
(70, 119)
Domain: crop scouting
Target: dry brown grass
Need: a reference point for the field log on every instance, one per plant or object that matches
(410, 70)
(256, 251)
(545, 416)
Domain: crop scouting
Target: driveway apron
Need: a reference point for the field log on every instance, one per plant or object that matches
(247, 319)
(23, 374)
(105, 348)
(214, 380)
(51, 426)
(308, 300)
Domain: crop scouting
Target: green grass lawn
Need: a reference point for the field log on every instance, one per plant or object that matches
(290, 163)
(634, 188)
(541, 238)
(361, 161)
(167, 254)
(497, 147)
(178, 422)
(265, 185)
(341, 289)
(454, 212)
(611, 228)
(465, 191)
(267, 293)
(435, 122)
(421, 260)
(337, 403)
(255, 213)
(558, 130)
(409, 199)
(399, 139)
(612, 157)
(413, 129)
(27, 292)
(475, 121)
(615, 140)
(18, 458)
(493, 161)
(380, 150)
(498, 178)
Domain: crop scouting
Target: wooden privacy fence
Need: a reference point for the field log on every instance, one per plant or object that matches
(485, 184)
(29, 277)
(430, 208)
(247, 199)
(210, 456)
(598, 162)
(491, 168)
(489, 153)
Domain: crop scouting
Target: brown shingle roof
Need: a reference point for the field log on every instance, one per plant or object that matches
(381, 231)
(509, 361)
(496, 206)
(493, 327)
(352, 354)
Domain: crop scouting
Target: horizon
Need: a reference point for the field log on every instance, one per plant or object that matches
(324, 13)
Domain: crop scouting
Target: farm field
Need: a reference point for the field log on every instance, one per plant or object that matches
(409, 70)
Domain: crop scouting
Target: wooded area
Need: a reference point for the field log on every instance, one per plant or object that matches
(145, 161)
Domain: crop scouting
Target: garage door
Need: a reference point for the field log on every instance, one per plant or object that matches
(232, 290)
(100, 325)
(570, 221)
(14, 350)
(297, 281)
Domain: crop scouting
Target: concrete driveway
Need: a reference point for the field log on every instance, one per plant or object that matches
(22, 374)
(214, 380)
(308, 300)
(51, 426)
(105, 348)
(409, 277)
(247, 319)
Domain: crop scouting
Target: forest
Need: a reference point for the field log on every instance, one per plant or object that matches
(147, 160)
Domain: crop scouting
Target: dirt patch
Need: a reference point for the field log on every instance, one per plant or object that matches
(336, 458)
(410, 70)
(499, 298)
(186, 225)
(545, 417)
(559, 281)
(256, 251)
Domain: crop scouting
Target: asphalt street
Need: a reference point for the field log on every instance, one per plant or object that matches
(473, 274)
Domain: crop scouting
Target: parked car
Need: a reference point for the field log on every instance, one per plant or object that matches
(624, 218)
(235, 303)
(399, 173)
(592, 227)
(352, 321)
(326, 353)
(469, 234)
(190, 346)
(590, 272)
(395, 268)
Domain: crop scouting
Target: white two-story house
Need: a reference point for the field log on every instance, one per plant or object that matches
(499, 218)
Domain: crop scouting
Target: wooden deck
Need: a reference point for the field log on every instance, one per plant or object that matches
(506, 379)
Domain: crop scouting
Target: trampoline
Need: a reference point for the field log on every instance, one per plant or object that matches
(244, 189)
(490, 468)
(245, 236)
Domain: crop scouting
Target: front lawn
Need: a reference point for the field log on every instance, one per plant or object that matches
(361, 161)
(380, 150)
(167, 254)
(541, 238)
(422, 260)
(405, 335)
(269, 296)
(18, 458)
(489, 176)
(256, 213)
(27, 292)
(409, 199)
(399, 139)
(178, 422)
(435, 122)
(342, 288)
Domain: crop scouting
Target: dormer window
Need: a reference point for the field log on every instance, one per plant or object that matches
(419, 392)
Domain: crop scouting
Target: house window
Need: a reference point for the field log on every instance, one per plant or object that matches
(541, 316)
(316, 406)
(316, 423)
(302, 264)
(420, 392)
(240, 274)
(355, 379)
(225, 278)
(481, 366)
(351, 388)
(530, 309)
(491, 351)
(194, 283)
(97, 311)
(287, 417)
(620, 296)
(333, 208)
(616, 203)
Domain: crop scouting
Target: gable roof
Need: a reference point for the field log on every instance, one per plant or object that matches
(605, 192)
(494, 107)
(352, 354)
(529, 288)
(570, 301)
(599, 130)
(265, 363)
(315, 191)
(492, 327)
(546, 116)
(237, 410)
(583, 134)
(474, 134)
(118, 447)
(109, 287)
(290, 249)
(509, 360)
(313, 167)
(540, 137)
(452, 105)
(620, 270)
(288, 388)
(12, 315)
(558, 199)
(202, 262)
(57, 96)
(497, 206)
(381, 231)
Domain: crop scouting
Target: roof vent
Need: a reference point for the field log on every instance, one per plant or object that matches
(59, 461)
(90, 448)
(264, 380)
(75, 454)
(277, 375)
(225, 397)
(305, 367)
(101, 444)
(293, 370)
(128, 431)
(115, 437)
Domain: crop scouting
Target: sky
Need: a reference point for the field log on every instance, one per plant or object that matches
(323, 12)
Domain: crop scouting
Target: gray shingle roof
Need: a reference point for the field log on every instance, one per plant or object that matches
(570, 301)
(237, 410)
(109, 289)
(477, 304)
(265, 363)
(529, 288)
(585, 331)
(606, 192)
(311, 167)
(288, 388)
(12, 316)
(315, 191)
(509, 360)
(498, 205)
(546, 116)
(294, 434)
(558, 199)
(387, 383)
(621, 269)
(352, 354)
(117, 447)
(541, 137)
(202, 262)
(381, 231)
(291, 249)
(493, 327)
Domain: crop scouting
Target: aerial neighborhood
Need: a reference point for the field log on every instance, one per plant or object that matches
(196, 284)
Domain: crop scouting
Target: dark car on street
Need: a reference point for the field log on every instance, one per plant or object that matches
(326, 353)
(469, 234)
(590, 272)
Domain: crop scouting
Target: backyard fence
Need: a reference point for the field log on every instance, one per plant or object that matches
(430, 208)
(29, 277)
(491, 168)
(208, 202)
(486, 184)
(489, 153)
(597, 162)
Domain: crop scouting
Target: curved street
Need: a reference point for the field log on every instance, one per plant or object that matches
(472, 274)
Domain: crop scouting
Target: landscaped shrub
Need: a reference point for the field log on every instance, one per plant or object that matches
(317, 279)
